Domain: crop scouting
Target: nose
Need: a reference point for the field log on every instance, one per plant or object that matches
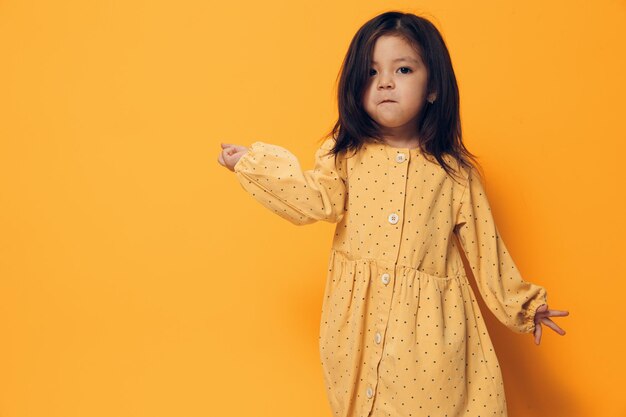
(384, 81)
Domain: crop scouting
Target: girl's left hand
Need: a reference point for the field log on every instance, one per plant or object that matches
(230, 155)
(541, 316)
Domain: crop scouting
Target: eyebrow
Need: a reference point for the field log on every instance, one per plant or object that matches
(404, 58)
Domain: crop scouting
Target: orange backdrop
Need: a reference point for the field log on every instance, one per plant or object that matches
(137, 278)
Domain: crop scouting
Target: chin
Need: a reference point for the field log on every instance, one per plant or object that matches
(391, 124)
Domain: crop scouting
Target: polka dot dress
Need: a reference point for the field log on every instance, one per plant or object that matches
(401, 333)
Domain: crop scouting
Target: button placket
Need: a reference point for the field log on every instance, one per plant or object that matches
(397, 188)
(398, 168)
(382, 314)
(378, 327)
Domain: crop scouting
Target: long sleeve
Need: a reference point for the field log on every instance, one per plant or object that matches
(273, 176)
(513, 300)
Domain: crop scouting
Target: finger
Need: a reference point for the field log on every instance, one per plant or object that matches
(225, 145)
(558, 313)
(224, 156)
(553, 326)
(537, 333)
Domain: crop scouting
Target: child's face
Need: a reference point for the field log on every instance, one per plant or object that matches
(404, 82)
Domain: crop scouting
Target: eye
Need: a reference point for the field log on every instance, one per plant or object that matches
(409, 70)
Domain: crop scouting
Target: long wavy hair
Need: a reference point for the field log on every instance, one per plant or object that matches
(439, 127)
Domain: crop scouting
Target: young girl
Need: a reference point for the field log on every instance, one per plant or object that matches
(401, 332)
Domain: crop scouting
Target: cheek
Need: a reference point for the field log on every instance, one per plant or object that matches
(416, 100)
(367, 100)
(417, 94)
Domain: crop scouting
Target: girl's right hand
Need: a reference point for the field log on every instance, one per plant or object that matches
(230, 155)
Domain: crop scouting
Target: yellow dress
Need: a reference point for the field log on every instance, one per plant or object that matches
(401, 333)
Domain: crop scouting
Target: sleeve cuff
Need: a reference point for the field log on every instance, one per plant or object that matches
(529, 319)
(244, 158)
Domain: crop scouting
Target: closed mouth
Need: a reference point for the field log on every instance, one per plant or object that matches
(388, 101)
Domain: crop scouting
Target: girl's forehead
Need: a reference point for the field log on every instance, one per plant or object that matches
(395, 48)
(395, 42)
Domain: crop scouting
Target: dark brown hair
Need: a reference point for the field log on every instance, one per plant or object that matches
(439, 127)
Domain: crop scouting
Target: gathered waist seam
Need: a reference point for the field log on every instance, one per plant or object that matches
(343, 257)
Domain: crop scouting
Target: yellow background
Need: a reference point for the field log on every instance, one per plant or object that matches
(138, 279)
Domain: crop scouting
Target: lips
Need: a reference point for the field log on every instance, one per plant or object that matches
(387, 101)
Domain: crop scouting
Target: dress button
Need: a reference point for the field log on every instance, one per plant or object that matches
(385, 278)
(393, 218)
(369, 392)
(400, 157)
(378, 337)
